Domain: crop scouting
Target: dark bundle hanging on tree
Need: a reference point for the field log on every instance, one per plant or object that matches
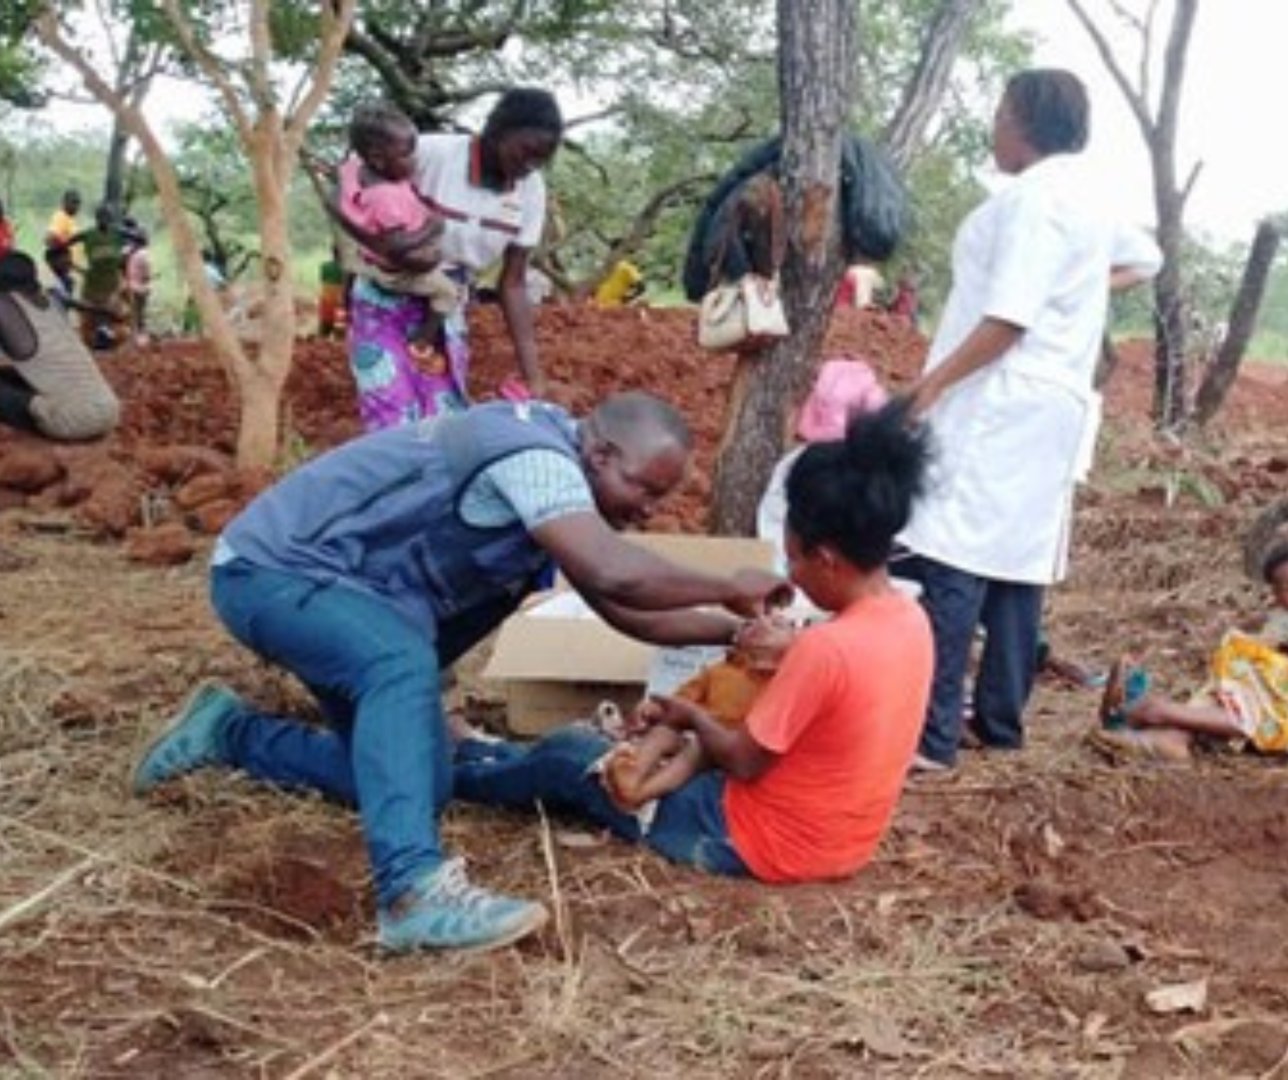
(729, 240)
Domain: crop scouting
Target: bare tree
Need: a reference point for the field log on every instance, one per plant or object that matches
(270, 127)
(1158, 127)
(1243, 321)
(941, 44)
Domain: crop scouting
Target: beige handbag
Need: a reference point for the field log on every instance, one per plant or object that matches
(741, 314)
(748, 313)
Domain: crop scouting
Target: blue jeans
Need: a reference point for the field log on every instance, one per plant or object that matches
(958, 601)
(375, 675)
(689, 827)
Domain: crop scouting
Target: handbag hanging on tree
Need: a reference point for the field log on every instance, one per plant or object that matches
(748, 313)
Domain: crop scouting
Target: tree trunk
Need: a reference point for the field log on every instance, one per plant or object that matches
(260, 396)
(131, 87)
(816, 58)
(262, 375)
(1171, 332)
(1243, 321)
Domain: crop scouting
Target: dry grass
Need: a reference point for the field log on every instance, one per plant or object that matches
(222, 930)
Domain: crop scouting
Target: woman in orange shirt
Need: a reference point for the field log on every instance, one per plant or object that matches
(804, 789)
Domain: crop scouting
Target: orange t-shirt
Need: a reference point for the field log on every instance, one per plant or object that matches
(845, 713)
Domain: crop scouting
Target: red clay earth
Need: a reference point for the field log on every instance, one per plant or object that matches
(168, 471)
(1015, 923)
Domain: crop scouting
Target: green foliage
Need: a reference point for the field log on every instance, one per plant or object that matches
(20, 77)
(38, 166)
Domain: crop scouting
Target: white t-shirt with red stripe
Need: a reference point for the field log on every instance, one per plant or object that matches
(480, 223)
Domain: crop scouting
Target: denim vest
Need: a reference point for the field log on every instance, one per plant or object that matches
(382, 513)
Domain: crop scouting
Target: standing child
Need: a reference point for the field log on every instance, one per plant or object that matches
(138, 280)
(1245, 697)
(331, 299)
(377, 198)
(60, 233)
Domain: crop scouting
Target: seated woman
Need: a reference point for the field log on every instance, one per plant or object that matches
(805, 788)
(50, 385)
(1245, 698)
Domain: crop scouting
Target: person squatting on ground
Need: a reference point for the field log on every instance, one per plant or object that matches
(490, 193)
(373, 567)
(1008, 393)
(804, 789)
(1244, 700)
(660, 759)
(376, 197)
(50, 385)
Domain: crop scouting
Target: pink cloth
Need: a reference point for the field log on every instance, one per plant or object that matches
(844, 386)
(379, 207)
(138, 271)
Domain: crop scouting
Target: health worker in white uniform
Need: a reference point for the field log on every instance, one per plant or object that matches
(1008, 391)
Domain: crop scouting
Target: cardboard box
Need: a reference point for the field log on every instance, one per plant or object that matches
(555, 660)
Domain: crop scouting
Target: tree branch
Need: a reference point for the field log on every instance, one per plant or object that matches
(210, 65)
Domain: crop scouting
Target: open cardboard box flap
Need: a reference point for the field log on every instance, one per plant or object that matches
(556, 660)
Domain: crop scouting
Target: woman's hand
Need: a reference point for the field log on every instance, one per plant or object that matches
(661, 709)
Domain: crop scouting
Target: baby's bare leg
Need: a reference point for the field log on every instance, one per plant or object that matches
(673, 772)
(1159, 712)
(629, 767)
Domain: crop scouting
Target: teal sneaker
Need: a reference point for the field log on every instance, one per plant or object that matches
(444, 911)
(192, 740)
(1124, 686)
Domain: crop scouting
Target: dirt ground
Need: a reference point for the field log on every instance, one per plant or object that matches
(1018, 922)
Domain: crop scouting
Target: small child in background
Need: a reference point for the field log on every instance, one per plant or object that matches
(1244, 699)
(662, 759)
(844, 386)
(377, 197)
(138, 279)
(331, 305)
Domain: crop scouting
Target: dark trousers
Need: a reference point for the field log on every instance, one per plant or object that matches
(1011, 615)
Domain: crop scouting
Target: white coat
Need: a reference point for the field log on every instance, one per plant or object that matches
(1013, 438)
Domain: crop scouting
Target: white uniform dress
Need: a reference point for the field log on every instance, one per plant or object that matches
(1015, 437)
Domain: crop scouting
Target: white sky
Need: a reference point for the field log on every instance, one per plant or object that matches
(1236, 89)
(1231, 116)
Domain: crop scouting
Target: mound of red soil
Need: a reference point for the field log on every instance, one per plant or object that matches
(171, 461)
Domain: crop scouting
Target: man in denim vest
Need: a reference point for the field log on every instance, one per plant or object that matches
(369, 570)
